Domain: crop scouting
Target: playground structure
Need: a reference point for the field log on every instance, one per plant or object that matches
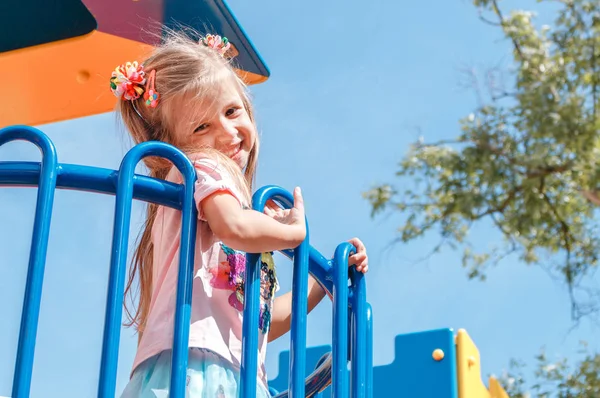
(430, 364)
(352, 320)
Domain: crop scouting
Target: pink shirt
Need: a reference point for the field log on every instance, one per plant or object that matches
(218, 284)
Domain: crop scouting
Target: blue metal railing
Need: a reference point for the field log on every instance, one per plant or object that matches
(116, 281)
(37, 254)
(125, 185)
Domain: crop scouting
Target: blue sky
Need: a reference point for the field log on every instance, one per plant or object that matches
(353, 84)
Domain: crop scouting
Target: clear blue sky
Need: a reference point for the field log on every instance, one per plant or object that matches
(351, 82)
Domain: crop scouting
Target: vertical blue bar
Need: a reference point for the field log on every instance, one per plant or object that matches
(369, 381)
(359, 332)
(112, 326)
(37, 253)
(339, 370)
(299, 306)
(183, 305)
(298, 325)
(116, 279)
(250, 327)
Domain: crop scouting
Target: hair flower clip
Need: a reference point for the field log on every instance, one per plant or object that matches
(221, 45)
(151, 98)
(128, 80)
(151, 95)
(128, 83)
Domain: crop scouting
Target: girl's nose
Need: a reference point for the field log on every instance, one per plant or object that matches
(229, 131)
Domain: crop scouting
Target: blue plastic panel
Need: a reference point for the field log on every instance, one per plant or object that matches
(413, 374)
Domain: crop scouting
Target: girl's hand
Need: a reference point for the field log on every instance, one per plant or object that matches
(293, 217)
(360, 259)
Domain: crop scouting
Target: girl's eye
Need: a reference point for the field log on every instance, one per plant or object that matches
(231, 111)
(201, 127)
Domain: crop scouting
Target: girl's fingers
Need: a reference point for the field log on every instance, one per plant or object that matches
(357, 259)
(298, 200)
(363, 268)
(357, 243)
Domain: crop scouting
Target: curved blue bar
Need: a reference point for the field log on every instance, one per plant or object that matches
(340, 320)
(92, 179)
(110, 346)
(299, 291)
(319, 266)
(360, 335)
(37, 256)
(37, 253)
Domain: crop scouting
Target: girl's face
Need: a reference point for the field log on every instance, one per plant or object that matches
(219, 121)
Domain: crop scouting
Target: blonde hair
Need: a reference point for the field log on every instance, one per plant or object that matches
(183, 67)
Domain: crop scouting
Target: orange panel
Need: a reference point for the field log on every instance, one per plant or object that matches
(62, 80)
(66, 79)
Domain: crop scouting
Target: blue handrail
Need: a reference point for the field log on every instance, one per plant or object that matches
(114, 309)
(126, 186)
(299, 304)
(37, 253)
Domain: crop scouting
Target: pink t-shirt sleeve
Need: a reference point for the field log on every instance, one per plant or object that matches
(211, 178)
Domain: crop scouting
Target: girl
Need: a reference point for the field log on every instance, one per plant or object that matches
(188, 95)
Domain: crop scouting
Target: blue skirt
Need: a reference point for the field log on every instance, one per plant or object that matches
(208, 376)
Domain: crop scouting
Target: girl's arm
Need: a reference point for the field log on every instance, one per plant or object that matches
(281, 314)
(252, 231)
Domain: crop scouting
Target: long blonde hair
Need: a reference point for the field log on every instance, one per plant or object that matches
(182, 67)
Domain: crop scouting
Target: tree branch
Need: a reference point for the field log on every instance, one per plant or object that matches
(439, 143)
(591, 196)
(487, 21)
(566, 231)
(547, 170)
(502, 23)
(502, 207)
(506, 234)
(591, 39)
(503, 95)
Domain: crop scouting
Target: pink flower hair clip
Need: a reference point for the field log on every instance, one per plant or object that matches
(128, 83)
(151, 95)
(221, 45)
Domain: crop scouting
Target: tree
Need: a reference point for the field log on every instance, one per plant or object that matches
(526, 160)
(556, 379)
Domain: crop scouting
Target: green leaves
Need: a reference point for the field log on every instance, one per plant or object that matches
(526, 161)
(556, 379)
